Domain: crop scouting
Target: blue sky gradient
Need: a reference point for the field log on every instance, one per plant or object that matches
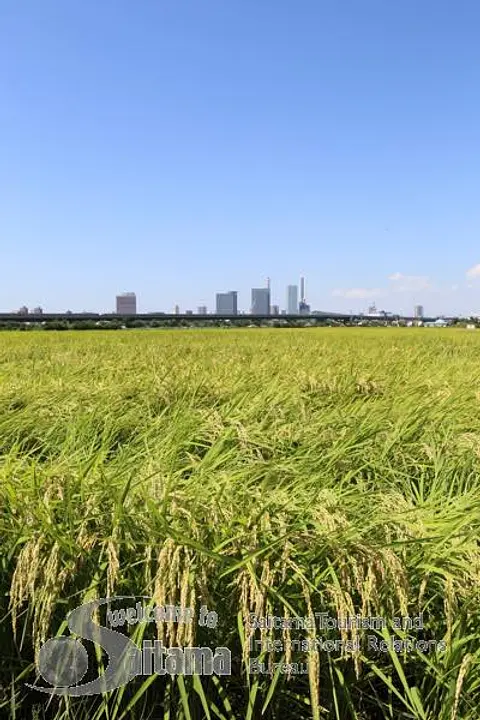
(181, 148)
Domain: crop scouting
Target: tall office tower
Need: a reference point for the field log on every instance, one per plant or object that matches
(227, 303)
(292, 299)
(303, 307)
(261, 301)
(418, 311)
(127, 304)
(202, 310)
(302, 289)
(177, 310)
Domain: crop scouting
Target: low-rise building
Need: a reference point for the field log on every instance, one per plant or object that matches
(126, 304)
(227, 303)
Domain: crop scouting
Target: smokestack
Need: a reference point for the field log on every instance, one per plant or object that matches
(268, 283)
(302, 289)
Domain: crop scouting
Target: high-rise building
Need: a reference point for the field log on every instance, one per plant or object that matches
(418, 311)
(38, 310)
(261, 301)
(177, 310)
(23, 310)
(292, 299)
(275, 310)
(188, 312)
(226, 303)
(303, 307)
(202, 310)
(127, 304)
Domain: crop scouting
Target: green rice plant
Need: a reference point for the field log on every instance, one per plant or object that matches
(266, 472)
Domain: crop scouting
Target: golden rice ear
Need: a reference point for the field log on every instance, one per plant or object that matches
(173, 588)
(39, 579)
(161, 581)
(113, 567)
(147, 568)
(190, 630)
(186, 587)
(449, 604)
(313, 656)
(266, 581)
(175, 583)
(421, 591)
(458, 688)
(395, 573)
(287, 642)
(48, 597)
(22, 586)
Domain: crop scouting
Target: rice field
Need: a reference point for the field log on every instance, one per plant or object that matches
(259, 473)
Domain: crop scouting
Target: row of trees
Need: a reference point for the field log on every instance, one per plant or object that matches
(119, 324)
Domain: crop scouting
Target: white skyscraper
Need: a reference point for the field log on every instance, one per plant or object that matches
(261, 301)
(292, 299)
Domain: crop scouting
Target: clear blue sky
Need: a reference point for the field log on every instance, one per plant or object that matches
(186, 147)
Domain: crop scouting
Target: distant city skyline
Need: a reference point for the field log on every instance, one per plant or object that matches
(355, 301)
(399, 295)
(226, 303)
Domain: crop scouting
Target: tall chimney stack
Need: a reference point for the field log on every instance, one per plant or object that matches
(302, 289)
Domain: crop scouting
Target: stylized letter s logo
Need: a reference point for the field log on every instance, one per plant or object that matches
(63, 661)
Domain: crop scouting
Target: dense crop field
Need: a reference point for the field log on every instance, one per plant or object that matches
(266, 472)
